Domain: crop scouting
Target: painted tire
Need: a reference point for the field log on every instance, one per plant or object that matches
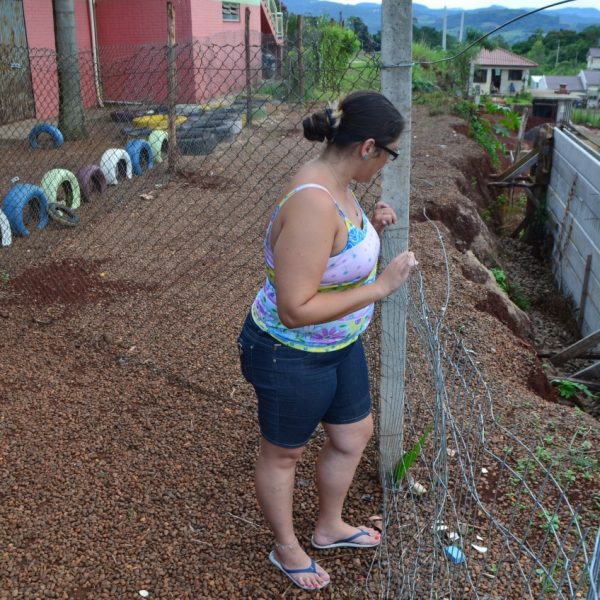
(158, 141)
(157, 121)
(14, 203)
(198, 146)
(48, 128)
(63, 214)
(5, 232)
(136, 132)
(109, 163)
(52, 182)
(138, 150)
(90, 177)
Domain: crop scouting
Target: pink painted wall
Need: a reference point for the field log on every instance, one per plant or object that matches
(132, 37)
(221, 61)
(132, 50)
(39, 23)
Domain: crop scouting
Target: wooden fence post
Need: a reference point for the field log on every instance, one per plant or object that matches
(248, 72)
(171, 87)
(300, 47)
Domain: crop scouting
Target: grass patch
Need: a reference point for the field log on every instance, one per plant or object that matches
(590, 117)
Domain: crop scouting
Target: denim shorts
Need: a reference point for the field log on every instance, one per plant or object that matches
(297, 390)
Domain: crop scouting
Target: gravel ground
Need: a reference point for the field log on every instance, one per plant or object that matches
(127, 436)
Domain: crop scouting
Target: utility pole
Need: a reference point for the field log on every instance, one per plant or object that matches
(396, 58)
(444, 29)
(462, 27)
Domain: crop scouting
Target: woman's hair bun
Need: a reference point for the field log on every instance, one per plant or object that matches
(317, 127)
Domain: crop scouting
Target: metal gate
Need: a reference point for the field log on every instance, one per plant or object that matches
(16, 93)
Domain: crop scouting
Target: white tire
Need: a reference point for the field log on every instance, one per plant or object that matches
(109, 163)
(5, 232)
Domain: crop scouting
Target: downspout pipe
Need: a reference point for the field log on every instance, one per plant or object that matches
(92, 13)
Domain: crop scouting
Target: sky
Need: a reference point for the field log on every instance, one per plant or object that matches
(471, 4)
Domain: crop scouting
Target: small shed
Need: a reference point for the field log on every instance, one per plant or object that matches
(552, 107)
(501, 72)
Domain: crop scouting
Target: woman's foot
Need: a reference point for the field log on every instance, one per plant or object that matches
(345, 536)
(299, 567)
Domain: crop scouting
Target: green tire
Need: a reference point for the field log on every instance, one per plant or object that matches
(54, 179)
(157, 139)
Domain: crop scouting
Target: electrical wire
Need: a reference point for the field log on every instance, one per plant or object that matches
(479, 39)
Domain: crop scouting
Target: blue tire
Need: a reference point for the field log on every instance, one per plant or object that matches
(140, 151)
(15, 202)
(56, 134)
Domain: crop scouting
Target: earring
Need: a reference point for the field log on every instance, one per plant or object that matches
(365, 157)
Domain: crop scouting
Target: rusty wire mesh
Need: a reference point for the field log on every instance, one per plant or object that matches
(179, 252)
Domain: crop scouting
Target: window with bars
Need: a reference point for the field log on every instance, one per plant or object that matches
(231, 11)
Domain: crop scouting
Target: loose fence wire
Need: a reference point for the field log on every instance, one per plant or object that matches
(171, 262)
(488, 500)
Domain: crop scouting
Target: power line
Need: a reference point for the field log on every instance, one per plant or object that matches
(479, 39)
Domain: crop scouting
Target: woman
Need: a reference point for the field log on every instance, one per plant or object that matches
(300, 346)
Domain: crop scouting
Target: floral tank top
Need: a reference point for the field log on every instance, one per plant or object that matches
(354, 266)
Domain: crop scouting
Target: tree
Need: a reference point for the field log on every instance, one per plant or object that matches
(71, 115)
(538, 53)
(337, 47)
(357, 25)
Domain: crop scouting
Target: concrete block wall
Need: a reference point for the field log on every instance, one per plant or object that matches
(574, 219)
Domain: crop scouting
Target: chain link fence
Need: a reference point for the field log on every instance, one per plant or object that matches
(159, 246)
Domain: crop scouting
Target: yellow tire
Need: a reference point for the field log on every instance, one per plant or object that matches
(157, 121)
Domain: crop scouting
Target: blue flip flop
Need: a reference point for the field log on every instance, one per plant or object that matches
(346, 542)
(290, 572)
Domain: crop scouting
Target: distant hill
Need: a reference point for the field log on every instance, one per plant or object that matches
(482, 19)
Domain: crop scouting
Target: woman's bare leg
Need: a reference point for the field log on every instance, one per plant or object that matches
(336, 466)
(275, 474)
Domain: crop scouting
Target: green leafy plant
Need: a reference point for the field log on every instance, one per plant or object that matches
(409, 458)
(511, 121)
(567, 389)
(512, 290)
(501, 130)
(550, 522)
(4, 276)
(500, 277)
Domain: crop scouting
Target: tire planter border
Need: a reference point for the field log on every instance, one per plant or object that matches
(85, 176)
(157, 139)
(198, 146)
(15, 201)
(109, 163)
(63, 214)
(54, 179)
(48, 128)
(135, 149)
(5, 231)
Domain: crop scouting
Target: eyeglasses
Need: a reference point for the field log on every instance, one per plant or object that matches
(393, 153)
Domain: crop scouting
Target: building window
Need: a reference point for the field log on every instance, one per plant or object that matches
(231, 11)
(480, 76)
(515, 74)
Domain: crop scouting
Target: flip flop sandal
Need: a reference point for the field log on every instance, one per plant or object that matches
(346, 542)
(290, 572)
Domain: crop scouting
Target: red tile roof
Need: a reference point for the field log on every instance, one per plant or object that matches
(502, 58)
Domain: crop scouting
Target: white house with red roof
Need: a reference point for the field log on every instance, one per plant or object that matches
(500, 71)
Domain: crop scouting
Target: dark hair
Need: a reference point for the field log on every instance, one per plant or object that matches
(359, 116)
